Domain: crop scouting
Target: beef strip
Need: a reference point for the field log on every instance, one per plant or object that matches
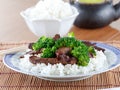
(91, 55)
(63, 50)
(73, 60)
(30, 46)
(64, 59)
(61, 57)
(94, 45)
(35, 60)
(34, 52)
(56, 37)
(99, 48)
(22, 56)
(89, 43)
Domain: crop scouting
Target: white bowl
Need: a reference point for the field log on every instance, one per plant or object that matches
(50, 27)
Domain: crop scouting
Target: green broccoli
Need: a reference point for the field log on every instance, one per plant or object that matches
(67, 42)
(82, 54)
(92, 50)
(47, 53)
(43, 42)
(71, 34)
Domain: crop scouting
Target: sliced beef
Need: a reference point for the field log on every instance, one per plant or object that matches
(91, 55)
(22, 56)
(94, 45)
(73, 60)
(35, 60)
(63, 50)
(89, 43)
(30, 46)
(64, 59)
(62, 56)
(56, 37)
(34, 52)
(99, 48)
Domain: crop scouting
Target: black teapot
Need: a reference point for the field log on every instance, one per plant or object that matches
(98, 15)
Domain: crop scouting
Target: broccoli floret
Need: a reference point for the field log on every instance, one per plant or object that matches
(92, 50)
(71, 34)
(47, 42)
(43, 42)
(67, 42)
(82, 54)
(47, 53)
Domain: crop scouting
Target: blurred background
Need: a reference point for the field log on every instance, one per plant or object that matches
(12, 25)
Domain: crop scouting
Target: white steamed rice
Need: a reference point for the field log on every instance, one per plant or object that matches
(50, 9)
(95, 64)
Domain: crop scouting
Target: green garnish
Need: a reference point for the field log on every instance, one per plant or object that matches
(43, 42)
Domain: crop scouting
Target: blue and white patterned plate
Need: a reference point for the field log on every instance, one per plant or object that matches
(113, 60)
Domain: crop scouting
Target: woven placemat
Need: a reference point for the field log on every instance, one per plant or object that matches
(11, 80)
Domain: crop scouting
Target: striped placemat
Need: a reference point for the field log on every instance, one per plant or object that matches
(11, 80)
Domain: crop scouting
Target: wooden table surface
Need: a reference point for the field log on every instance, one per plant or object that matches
(13, 27)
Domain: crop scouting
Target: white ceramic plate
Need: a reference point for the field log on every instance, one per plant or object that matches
(113, 58)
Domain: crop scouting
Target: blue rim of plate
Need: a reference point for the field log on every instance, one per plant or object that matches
(116, 51)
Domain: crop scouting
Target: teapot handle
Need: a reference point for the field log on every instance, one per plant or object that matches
(117, 10)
